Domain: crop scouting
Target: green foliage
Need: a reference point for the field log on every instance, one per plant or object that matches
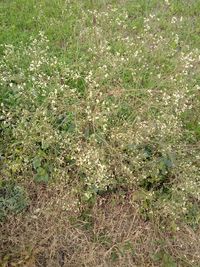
(13, 199)
(160, 175)
(191, 123)
(193, 215)
(103, 95)
(65, 122)
(42, 167)
(165, 259)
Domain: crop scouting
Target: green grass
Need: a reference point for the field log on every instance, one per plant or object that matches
(100, 132)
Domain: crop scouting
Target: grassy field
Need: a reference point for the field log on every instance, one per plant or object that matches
(100, 133)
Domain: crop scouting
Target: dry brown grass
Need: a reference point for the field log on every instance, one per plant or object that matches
(110, 233)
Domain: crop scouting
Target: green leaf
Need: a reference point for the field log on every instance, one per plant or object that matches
(168, 261)
(41, 176)
(13, 198)
(36, 163)
(45, 145)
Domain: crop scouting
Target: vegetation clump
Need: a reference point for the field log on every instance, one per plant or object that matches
(100, 133)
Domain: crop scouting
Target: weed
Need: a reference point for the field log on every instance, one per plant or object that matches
(100, 100)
